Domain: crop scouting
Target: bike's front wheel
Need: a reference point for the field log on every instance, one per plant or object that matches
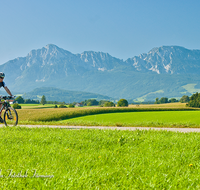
(10, 117)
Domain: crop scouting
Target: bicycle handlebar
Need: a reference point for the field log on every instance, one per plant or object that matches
(7, 97)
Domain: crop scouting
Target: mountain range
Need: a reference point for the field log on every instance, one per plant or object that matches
(167, 71)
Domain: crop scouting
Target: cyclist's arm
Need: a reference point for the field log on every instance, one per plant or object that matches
(7, 90)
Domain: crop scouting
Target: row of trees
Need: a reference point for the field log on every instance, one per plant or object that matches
(163, 100)
(193, 101)
(89, 102)
(105, 103)
(43, 101)
(20, 100)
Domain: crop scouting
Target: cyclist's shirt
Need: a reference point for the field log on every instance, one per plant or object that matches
(2, 84)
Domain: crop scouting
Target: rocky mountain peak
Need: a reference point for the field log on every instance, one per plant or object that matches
(167, 59)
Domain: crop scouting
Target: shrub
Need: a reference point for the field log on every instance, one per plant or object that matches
(172, 100)
(17, 106)
(55, 106)
(71, 106)
(89, 104)
(122, 103)
(109, 104)
(163, 100)
(62, 106)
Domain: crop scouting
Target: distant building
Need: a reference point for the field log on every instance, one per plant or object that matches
(79, 105)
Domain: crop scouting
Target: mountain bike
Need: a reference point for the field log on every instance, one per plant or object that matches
(10, 115)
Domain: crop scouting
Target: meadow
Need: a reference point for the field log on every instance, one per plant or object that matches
(55, 158)
(50, 158)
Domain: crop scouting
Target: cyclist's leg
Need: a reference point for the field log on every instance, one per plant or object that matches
(1, 120)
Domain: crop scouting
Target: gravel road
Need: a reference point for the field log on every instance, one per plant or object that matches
(184, 130)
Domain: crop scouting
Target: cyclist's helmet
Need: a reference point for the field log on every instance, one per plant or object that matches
(2, 75)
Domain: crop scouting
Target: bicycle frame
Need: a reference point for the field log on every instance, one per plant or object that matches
(5, 105)
(10, 116)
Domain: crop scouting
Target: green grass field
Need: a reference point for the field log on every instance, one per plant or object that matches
(98, 159)
(152, 118)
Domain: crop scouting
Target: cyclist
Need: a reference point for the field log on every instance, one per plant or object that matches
(3, 84)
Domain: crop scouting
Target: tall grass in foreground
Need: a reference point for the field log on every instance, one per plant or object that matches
(98, 159)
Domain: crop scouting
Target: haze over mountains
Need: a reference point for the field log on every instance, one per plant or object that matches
(168, 71)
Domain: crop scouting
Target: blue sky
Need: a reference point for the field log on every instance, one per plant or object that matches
(122, 28)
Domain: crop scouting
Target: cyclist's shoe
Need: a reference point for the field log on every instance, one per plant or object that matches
(1, 120)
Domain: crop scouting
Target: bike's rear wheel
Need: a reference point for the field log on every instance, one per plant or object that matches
(10, 117)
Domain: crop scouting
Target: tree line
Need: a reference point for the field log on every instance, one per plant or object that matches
(164, 100)
(43, 101)
(89, 102)
(193, 101)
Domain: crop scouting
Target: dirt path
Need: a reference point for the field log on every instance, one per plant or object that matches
(184, 130)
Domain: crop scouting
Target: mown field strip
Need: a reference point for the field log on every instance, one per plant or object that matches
(152, 118)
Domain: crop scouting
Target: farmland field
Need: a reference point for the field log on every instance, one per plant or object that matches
(98, 159)
(169, 105)
(156, 115)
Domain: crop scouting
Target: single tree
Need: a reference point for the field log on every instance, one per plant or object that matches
(20, 100)
(43, 100)
(157, 101)
(92, 102)
(163, 100)
(122, 103)
(185, 99)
